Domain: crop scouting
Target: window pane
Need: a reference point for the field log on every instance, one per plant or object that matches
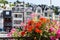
(50, 15)
(7, 13)
(28, 13)
(15, 15)
(17, 21)
(22, 5)
(21, 9)
(38, 11)
(45, 14)
(17, 5)
(18, 15)
(13, 9)
(17, 9)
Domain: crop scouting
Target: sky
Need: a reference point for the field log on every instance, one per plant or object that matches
(47, 2)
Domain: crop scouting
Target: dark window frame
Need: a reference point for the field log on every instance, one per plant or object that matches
(18, 21)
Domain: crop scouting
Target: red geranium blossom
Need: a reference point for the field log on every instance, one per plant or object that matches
(38, 30)
(23, 33)
(30, 28)
(43, 20)
(30, 22)
(38, 24)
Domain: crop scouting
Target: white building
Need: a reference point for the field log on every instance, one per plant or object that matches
(17, 15)
(27, 13)
(49, 14)
(39, 11)
(20, 13)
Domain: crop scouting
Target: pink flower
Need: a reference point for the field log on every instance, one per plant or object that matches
(22, 24)
(9, 35)
(33, 15)
(52, 38)
(58, 33)
(51, 29)
(54, 21)
(28, 19)
(13, 30)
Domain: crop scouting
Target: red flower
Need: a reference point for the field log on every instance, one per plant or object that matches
(38, 24)
(30, 28)
(23, 33)
(30, 22)
(25, 27)
(43, 20)
(38, 31)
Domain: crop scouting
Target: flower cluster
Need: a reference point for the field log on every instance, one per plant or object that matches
(35, 27)
(41, 27)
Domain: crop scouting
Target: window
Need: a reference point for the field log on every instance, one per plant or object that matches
(22, 5)
(7, 13)
(17, 9)
(38, 11)
(17, 21)
(22, 9)
(28, 13)
(8, 24)
(18, 15)
(45, 14)
(8, 20)
(13, 9)
(50, 15)
(17, 5)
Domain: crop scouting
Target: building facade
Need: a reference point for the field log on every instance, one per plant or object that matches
(27, 13)
(21, 14)
(49, 14)
(7, 18)
(17, 15)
